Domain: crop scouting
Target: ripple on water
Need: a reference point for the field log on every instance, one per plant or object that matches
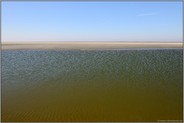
(110, 85)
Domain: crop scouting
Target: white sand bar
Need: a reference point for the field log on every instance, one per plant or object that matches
(87, 45)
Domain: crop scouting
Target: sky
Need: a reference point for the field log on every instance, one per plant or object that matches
(92, 21)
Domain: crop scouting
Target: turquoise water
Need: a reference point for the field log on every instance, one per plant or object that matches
(96, 85)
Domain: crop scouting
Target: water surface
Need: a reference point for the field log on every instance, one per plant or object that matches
(96, 85)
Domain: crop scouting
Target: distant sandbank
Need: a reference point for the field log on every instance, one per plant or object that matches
(87, 45)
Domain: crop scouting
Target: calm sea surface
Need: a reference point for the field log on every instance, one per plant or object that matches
(96, 85)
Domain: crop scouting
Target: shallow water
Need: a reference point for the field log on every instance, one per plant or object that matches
(101, 85)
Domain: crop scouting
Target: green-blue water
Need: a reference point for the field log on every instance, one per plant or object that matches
(96, 85)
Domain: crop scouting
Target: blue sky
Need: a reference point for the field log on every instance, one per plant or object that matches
(92, 21)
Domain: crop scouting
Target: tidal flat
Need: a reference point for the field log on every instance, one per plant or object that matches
(142, 85)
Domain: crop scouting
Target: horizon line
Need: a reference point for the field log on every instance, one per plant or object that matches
(131, 42)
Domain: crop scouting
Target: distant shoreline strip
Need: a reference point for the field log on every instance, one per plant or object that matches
(88, 45)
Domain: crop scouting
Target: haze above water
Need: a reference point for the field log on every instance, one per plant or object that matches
(97, 85)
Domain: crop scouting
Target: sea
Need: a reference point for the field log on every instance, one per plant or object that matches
(126, 85)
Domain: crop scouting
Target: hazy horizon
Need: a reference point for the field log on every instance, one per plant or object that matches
(131, 42)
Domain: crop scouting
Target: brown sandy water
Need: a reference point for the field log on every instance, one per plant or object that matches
(107, 85)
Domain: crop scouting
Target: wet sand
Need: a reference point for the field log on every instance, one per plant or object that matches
(87, 45)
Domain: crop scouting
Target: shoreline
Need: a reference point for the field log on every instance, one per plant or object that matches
(88, 45)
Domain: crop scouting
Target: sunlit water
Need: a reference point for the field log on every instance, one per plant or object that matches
(101, 85)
